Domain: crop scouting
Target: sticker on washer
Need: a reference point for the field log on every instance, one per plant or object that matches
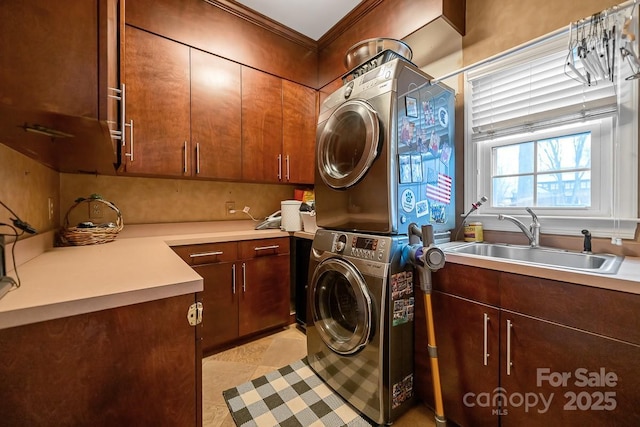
(408, 200)
(402, 297)
(443, 117)
(422, 208)
(402, 391)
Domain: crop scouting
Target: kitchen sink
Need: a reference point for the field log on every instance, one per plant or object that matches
(595, 263)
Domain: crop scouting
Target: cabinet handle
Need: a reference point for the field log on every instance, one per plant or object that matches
(118, 95)
(486, 339)
(265, 248)
(509, 364)
(123, 112)
(233, 278)
(199, 254)
(288, 170)
(184, 169)
(244, 277)
(279, 167)
(130, 153)
(197, 157)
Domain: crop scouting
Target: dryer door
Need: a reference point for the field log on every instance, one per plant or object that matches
(341, 306)
(348, 144)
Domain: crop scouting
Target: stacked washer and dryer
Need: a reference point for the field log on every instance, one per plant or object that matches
(384, 160)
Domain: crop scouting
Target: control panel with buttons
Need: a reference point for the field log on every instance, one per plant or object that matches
(374, 248)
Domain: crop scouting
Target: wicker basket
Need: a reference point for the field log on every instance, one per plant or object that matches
(78, 236)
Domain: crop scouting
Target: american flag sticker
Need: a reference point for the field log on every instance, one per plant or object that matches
(441, 190)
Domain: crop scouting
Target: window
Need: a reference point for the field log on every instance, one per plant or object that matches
(551, 172)
(560, 171)
(537, 136)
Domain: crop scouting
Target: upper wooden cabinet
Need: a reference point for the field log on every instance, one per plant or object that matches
(261, 126)
(56, 67)
(299, 113)
(224, 29)
(193, 114)
(278, 129)
(157, 79)
(49, 58)
(215, 117)
(185, 108)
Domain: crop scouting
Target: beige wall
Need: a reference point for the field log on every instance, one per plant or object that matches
(155, 200)
(494, 26)
(25, 186)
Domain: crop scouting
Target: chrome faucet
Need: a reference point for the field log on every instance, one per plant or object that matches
(532, 233)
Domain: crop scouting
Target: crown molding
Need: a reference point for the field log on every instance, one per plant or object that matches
(264, 22)
(269, 24)
(345, 23)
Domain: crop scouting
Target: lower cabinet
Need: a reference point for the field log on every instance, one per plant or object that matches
(532, 357)
(220, 303)
(469, 353)
(246, 287)
(264, 302)
(128, 366)
(555, 375)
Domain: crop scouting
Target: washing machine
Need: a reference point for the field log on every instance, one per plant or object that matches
(384, 151)
(360, 316)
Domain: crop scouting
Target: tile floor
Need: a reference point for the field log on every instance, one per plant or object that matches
(229, 368)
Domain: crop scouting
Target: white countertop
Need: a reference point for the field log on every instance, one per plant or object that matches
(138, 266)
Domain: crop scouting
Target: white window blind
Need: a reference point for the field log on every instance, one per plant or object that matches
(525, 95)
(535, 93)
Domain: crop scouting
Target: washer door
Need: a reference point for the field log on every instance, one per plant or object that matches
(341, 306)
(348, 144)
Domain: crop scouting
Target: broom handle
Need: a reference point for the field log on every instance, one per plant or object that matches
(435, 369)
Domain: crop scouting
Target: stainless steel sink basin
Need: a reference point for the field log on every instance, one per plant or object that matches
(595, 263)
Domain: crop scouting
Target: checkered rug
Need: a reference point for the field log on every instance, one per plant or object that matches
(291, 396)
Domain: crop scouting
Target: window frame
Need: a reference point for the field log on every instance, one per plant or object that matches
(617, 197)
(599, 180)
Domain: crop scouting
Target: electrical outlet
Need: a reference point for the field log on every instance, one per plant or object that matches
(95, 210)
(50, 208)
(229, 208)
(246, 209)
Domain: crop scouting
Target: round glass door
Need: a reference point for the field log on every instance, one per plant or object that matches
(348, 144)
(341, 306)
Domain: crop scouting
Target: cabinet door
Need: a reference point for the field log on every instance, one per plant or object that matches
(49, 56)
(264, 302)
(134, 365)
(220, 304)
(157, 81)
(261, 126)
(467, 339)
(586, 379)
(215, 117)
(299, 132)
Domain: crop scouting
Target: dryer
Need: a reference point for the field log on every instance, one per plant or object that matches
(384, 152)
(360, 321)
